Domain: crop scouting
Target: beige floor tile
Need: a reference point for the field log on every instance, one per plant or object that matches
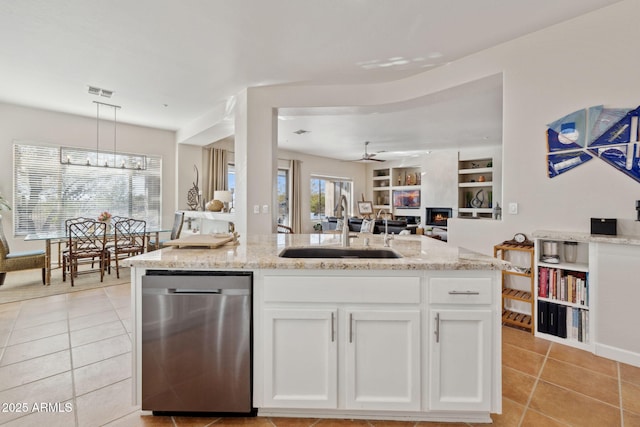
(9, 307)
(90, 307)
(36, 306)
(524, 340)
(516, 385)
(105, 405)
(94, 319)
(42, 318)
(631, 397)
(96, 333)
(34, 369)
(29, 334)
(630, 374)
(536, 419)
(101, 350)
(583, 359)
(61, 415)
(57, 388)
(90, 293)
(521, 360)
(573, 408)
(585, 381)
(124, 312)
(100, 374)
(29, 350)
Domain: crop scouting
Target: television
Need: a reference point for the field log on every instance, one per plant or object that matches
(407, 199)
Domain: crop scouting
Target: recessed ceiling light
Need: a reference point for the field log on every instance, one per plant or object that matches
(106, 93)
(94, 90)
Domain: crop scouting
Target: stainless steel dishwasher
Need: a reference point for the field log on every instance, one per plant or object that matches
(196, 342)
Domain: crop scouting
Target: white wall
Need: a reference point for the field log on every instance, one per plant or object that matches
(27, 124)
(579, 63)
(314, 165)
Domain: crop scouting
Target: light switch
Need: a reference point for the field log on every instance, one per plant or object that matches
(513, 208)
(256, 209)
(265, 209)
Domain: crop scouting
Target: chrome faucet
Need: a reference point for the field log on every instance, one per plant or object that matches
(343, 206)
(386, 226)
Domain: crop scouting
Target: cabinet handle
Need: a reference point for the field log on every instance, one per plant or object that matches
(333, 330)
(350, 327)
(436, 332)
(464, 293)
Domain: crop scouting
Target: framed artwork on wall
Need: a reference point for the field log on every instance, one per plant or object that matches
(365, 208)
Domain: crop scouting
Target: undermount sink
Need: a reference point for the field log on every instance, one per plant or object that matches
(331, 252)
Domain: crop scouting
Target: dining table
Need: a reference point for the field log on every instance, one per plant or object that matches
(59, 237)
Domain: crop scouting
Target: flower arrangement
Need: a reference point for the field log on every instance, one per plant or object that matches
(104, 216)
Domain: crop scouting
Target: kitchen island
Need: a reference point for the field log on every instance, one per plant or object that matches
(410, 338)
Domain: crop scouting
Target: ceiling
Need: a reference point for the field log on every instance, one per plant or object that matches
(467, 116)
(171, 62)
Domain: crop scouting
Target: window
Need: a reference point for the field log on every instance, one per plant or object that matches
(231, 182)
(283, 196)
(47, 192)
(325, 194)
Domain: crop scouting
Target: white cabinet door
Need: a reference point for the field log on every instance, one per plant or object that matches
(382, 359)
(460, 374)
(300, 352)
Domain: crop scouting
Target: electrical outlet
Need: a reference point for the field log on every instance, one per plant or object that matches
(513, 208)
(265, 209)
(256, 209)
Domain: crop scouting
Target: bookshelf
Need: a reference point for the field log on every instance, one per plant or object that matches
(475, 188)
(563, 295)
(387, 180)
(517, 285)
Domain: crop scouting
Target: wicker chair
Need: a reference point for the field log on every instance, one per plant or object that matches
(18, 260)
(130, 238)
(87, 241)
(178, 221)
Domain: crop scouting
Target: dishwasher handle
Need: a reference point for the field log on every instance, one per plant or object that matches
(185, 291)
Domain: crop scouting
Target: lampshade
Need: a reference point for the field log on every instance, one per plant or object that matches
(223, 196)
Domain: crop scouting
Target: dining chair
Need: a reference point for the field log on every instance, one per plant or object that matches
(68, 222)
(87, 240)
(17, 261)
(129, 240)
(178, 221)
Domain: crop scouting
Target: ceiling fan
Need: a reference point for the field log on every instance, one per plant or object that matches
(366, 157)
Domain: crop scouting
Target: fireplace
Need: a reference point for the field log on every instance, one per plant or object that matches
(437, 217)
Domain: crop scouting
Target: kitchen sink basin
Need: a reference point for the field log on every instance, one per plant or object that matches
(327, 252)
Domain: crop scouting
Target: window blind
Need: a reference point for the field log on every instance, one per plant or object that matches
(47, 192)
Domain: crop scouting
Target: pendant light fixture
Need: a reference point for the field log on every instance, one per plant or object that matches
(106, 159)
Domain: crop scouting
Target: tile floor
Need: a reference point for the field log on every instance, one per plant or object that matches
(71, 352)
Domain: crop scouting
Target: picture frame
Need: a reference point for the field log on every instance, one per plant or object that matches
(367, 226)
(365, 208)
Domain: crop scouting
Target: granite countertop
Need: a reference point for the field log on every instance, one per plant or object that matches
(577, 236)
(261, 252)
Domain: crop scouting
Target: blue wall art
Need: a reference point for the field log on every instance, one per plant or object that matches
(609, 134)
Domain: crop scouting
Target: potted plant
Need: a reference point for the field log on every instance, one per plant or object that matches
(4, 204)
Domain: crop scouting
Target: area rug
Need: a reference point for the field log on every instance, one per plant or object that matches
(23, 285)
